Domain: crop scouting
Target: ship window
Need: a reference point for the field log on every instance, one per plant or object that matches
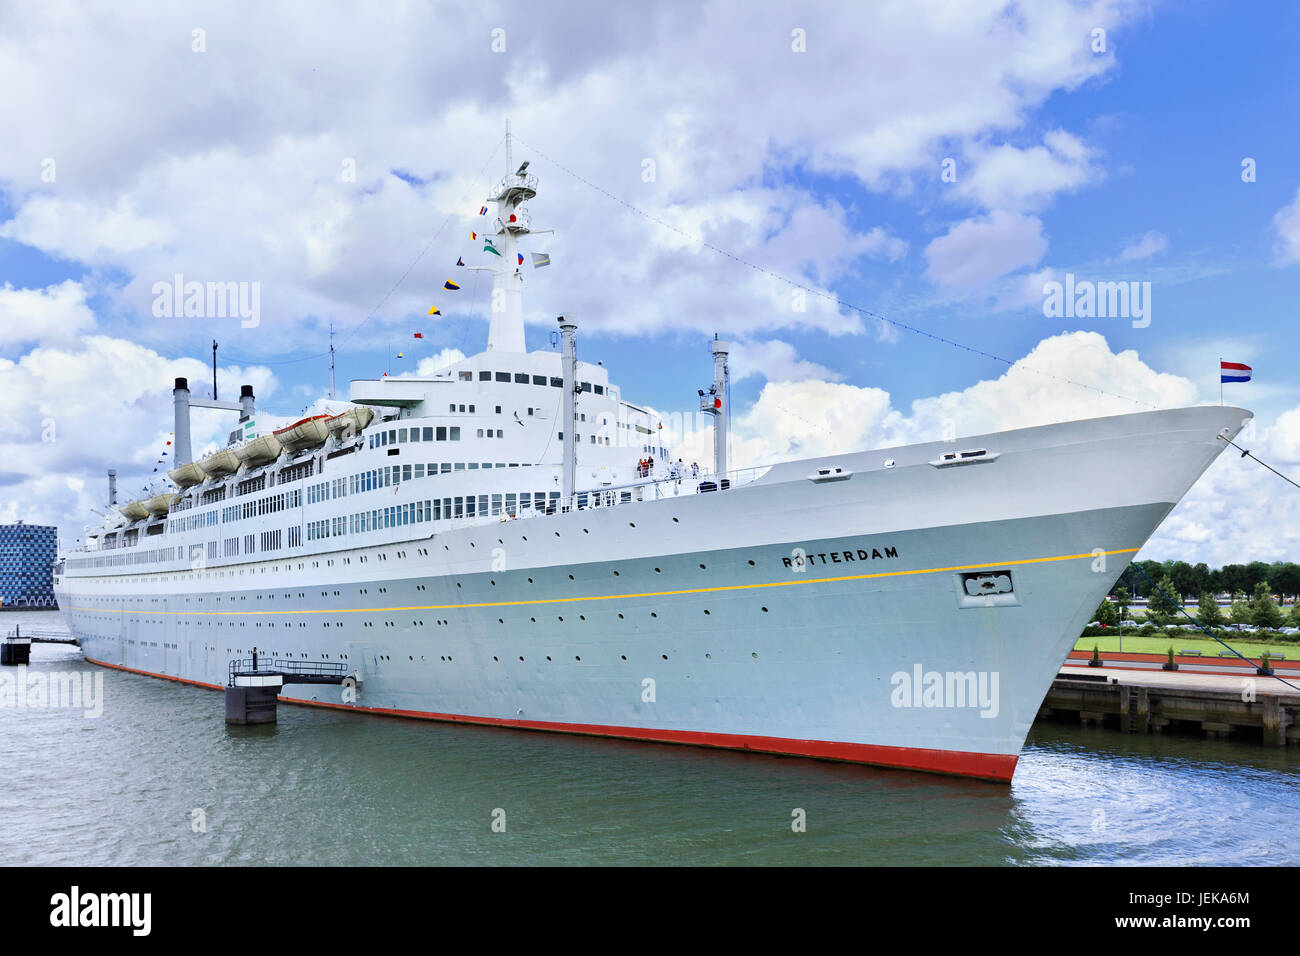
(485, 376)
(445, 467)
(401, 434)
(480, 433)
(600, 389)
(503, 376)
(539, 379)
(442, 433)
(419, 471)
(586, 386)
(415, 434)
(496, 504)
(383, 438)
(500, 433)
(392, 436)
(451, 407)
(406, 472)
(455, 433)
(467, 376)
(473, 466)
(530, 411)
(460, 466)
(521, 378)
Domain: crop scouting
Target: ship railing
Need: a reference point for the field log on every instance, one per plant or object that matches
(283, 665)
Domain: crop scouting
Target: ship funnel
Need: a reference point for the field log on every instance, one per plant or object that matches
(569, 356)
(245, 402)
(112, 488)
(181, 428)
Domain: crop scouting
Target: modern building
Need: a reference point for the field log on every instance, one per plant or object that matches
(27, 565)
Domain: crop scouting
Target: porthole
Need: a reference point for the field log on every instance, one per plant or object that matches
(754, 655)
(576, 657)
(664, 656)
(702, 568)
(616, 574)
(620, 617)
(631, 524)
(674, 520)
(653, 614)
(764, 610)
(624, 656)
(706, 610)
(751, 563)
(548, 657)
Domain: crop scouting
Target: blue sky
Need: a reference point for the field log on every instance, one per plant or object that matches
(821, 164)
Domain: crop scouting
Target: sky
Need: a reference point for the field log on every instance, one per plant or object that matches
(833, 188)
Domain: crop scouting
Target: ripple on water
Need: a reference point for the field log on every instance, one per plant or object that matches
(330, 788)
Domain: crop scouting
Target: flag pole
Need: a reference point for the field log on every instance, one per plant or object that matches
(1220, 379)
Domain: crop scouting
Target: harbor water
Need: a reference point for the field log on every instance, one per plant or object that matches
(159, 778)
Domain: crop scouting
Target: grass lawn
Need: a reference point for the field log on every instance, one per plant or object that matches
(1207, 647)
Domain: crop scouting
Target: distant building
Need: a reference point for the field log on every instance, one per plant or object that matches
(27, 554)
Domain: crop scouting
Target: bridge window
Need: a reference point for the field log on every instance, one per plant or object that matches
(521, 378)
(485, 376)
(503, 376)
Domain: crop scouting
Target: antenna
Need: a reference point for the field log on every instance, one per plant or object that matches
(214, 370)
(331, 360)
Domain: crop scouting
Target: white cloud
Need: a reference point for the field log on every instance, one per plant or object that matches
(1005, 177)
(57, 313)
(1145, 246)
(232, 172)
(1287, 225)
(977, 251)
(775, 361)
(427, 366)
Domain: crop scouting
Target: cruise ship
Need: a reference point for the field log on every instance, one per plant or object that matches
(483, 545)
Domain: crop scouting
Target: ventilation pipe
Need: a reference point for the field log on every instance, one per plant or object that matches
(568, 351)
(112, 488)
(181, 428)
(721, 413)
(245, 402)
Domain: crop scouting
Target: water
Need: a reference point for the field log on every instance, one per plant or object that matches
(330, 788)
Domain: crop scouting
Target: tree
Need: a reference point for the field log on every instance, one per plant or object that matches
(1264, 612)
(1242, 613)
(1207, 612)
(1295, 615)
(1123, 599)
(1286, 578)
(1163, 607)
(1200, 579)
(1232, 579)
(1183, 578)
(1106, 615)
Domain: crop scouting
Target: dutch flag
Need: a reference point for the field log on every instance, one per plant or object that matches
(1233, 372)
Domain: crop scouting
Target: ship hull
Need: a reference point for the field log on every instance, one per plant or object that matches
(840, 619)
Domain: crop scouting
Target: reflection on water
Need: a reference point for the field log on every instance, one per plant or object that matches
(330, 788)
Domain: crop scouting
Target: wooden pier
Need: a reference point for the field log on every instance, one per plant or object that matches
(1145, 701)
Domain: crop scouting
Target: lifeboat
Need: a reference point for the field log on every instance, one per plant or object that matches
(158, 504)
(187, 475)
(260, 450)
(222, 462)
(351, 422)
(135, 510)
(305, 433)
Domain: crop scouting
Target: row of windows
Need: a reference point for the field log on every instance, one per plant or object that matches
(393, 436)
(192, 522)
(262, 506)
(524, 378)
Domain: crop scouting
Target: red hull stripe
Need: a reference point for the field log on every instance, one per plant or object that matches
(995, 767)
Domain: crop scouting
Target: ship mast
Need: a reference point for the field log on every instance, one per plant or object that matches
(506, 331)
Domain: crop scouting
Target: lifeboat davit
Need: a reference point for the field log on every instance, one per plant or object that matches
(159, 504)
(304, 433)
(222, 462)
(135, 510)
(351, 422)
(187, 475)
(260, 450)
